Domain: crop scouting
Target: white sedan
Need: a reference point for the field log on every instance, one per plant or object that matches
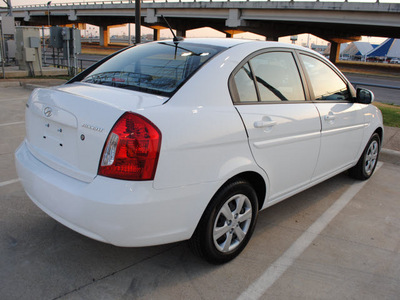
(190, 139)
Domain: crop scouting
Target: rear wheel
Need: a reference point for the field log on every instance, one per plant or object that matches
(368, 160)
(227, 224)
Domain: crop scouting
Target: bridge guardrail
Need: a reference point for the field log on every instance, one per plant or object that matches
(355, 84)
(172, 1)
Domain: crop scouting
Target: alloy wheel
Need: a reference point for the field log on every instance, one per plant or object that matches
(371, 157)
(232, 223)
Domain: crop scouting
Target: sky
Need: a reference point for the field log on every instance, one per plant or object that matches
(208, 32)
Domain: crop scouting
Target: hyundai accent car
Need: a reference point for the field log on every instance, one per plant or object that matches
(190, 139)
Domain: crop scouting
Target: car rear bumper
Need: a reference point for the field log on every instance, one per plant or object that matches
(122, 213)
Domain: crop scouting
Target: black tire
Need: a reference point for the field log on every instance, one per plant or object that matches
(367, 163)
(233, 213)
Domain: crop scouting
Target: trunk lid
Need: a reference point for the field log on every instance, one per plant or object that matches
(67, 126)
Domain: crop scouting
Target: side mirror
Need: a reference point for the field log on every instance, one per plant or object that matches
(364, 96)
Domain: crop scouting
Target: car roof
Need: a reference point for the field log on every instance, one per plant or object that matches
(219, 42)
(231, 42)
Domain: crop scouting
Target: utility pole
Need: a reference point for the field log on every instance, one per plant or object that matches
(138, 22)
(44, 48)
(48, 13)
(129, 34)
(2, 46)
(2, 52)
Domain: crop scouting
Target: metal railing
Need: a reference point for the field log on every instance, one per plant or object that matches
(356, 84)
(62, 63)
(80, 3)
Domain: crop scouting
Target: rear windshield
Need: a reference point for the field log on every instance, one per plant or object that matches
(157, 68)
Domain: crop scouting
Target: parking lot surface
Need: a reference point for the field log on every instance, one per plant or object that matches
(337, 240)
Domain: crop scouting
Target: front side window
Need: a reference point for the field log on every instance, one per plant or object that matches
(157, 68)
(326, 84)
(269, 77)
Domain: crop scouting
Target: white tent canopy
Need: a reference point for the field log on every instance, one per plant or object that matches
(358, 49)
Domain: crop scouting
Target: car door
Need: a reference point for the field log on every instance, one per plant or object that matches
(283, 128)
(342, 120)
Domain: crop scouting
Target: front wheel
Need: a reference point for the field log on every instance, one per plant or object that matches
(227, 224)
(368, 160)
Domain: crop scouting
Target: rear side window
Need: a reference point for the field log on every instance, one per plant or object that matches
(326, 84)
(277, 77)
(245, 84)
(158, 68)
(269, 77)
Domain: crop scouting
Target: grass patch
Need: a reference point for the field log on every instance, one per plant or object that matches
(391, 114)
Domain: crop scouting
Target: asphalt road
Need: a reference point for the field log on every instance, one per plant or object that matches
(384, 95)
(337, 240)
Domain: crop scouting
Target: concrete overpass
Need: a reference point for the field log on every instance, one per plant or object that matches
(336, 22)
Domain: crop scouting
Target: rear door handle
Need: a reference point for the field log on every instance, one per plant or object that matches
(264, 124)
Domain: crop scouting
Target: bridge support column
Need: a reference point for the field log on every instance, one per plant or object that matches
(230, 33)
(335, 52)
(181, 32)
(156, 34)
(104, 36)
(272, 38)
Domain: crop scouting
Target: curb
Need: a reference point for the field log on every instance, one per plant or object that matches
(390, 156)
(30, 86)
(7, 84)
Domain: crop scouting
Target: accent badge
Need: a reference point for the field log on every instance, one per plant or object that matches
(92, 127)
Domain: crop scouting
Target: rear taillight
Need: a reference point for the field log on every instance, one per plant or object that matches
(131, 150)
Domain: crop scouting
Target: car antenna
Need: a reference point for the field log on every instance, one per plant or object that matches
(176, 39)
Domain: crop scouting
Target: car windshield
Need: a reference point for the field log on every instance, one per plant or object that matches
(158, 68)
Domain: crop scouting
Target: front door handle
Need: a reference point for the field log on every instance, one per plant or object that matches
(264, 124)
(330, 117)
